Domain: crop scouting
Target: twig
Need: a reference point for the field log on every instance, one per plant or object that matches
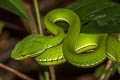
(108, 67)
(21, 75)
(52, 72)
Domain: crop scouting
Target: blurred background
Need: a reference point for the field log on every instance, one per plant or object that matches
(16, 28)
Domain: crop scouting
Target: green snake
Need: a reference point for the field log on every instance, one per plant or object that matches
(80, 49)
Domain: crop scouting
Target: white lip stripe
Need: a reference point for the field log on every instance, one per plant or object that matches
(50, 60)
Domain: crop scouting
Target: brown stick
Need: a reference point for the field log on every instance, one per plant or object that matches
(52, 72)
(21, 75)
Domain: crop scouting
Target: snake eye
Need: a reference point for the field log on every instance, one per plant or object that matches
(23, 55)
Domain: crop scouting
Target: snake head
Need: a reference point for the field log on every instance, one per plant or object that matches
(30, 46)
(18, 52)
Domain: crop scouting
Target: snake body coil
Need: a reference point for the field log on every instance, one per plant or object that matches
(80, 49)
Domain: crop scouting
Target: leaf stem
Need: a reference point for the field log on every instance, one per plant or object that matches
(38, 16)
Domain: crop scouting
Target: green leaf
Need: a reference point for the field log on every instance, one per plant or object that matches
(101, 16)
(15, 6)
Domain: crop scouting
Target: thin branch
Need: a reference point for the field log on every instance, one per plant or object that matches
(52, 72)
(21, 75)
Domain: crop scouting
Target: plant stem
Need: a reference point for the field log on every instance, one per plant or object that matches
(38, 16)
(21, 75)
(51, 68)
(46, 74)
